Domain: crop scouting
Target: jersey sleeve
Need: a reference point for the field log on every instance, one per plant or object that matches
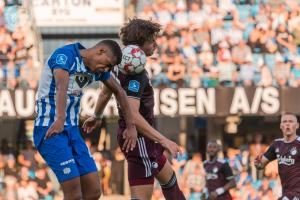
(135, 85)
(270, 153)
(227, 171)
(103, 76)
(61, 59)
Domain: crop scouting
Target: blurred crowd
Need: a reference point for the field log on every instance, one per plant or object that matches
(25, 175)
(206, 43)
(18, 68)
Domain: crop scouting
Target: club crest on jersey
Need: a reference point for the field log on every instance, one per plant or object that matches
(61, 59)
(293, 151)
(215, 170)
(82, 79)
(134, 86)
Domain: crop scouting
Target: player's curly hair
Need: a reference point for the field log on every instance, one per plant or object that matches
(138, 31)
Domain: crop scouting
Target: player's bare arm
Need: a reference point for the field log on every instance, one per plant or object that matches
(92, 122)
(147, 130)
(231, 184)
(130, 134)
(62, 80)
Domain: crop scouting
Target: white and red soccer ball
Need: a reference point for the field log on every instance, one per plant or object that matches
(133, 60)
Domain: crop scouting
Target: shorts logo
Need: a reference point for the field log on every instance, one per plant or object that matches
(61, 59)
(293, 151)
(67, 170)
(134, 86)
(154, 165)
(67, 162)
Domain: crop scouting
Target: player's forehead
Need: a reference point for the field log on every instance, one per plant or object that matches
(288, 117)
(212, 144)
(110, 58)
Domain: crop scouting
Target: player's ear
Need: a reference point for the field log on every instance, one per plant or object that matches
(100, 50)
(297, 126)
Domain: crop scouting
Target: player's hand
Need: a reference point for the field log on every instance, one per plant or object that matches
(258, 162)
(56, 127)
(171, 147)
(130, 137)
(213, 195)
(90, 124)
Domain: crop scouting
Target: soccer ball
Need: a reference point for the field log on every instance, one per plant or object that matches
(133, 60)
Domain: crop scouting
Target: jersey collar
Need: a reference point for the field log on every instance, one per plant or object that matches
(78, 47)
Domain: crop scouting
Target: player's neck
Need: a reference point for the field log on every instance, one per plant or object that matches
(213, 159)
(290, 138)
(84, 55)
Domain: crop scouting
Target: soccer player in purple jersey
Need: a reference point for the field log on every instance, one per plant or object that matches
(287, 152)
(219, 176)
(146, 161)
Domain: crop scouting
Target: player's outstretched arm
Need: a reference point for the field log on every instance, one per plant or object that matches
(147, 130)
(130, 134)
(92, 122)
(61, 80)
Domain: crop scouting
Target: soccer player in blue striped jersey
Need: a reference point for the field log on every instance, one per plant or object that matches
(56, 133)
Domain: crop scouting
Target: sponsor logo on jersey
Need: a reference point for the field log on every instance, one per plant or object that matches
(134, 86)
(285, 160)
(277, 150)
(61, 59)
(211, 176)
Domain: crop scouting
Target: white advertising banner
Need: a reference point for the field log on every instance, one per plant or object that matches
(78, 12)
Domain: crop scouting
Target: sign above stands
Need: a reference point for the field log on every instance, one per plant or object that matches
(54, 13)
(220, 101)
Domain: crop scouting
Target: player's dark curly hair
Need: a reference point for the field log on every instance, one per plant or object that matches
(138, 31)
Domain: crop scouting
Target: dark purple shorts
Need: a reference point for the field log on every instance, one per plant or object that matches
(144, 162)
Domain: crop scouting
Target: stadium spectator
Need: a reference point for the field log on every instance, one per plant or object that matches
(43, 183)
(10, 168)
(295, 73)
(26, 157)
(29, 75)
(266, 76)
(240, 52)
(281, 71)
(176, 72)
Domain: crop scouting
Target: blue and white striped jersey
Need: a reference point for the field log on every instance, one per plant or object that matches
(69, 59)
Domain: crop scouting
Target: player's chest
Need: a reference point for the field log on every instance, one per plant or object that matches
(77, 81)
(212, 172)
(287, 155)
